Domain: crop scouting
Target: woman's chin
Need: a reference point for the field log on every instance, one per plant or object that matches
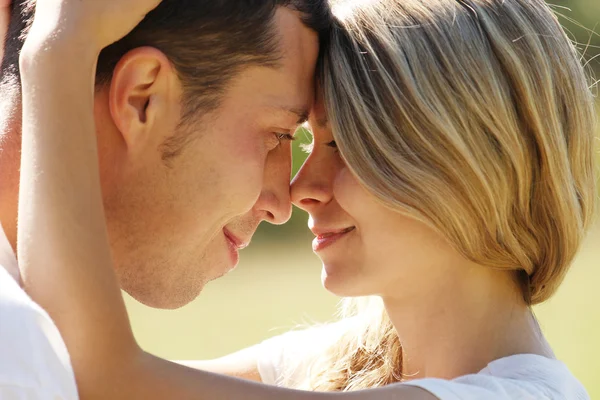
(340, 282)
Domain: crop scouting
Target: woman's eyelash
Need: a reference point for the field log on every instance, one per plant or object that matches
(308, 147)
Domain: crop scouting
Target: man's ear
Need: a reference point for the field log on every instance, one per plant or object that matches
(142, 93)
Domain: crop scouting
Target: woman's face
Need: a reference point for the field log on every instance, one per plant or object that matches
(366, 247)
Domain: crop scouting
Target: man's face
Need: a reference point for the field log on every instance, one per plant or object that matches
(176, 225)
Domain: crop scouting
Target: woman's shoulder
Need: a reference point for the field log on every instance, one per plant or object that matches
(285, 360)
(523, 376)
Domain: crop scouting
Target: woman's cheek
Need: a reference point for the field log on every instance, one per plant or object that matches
(349, 193)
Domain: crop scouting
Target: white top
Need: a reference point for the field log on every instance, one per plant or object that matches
(34, 363)
(285, 361)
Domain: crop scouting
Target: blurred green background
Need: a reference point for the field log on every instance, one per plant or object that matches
(277, 284)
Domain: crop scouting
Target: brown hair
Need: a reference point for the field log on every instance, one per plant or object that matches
(207, 41)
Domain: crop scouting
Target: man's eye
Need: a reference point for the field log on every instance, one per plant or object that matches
(285, 137)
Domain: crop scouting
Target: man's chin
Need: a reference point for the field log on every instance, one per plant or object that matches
(163, 299)
(172, 285)
(171, 303)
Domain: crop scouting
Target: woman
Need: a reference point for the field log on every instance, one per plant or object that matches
(451, 176)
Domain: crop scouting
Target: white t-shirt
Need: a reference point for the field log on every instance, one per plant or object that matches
(34, 362)
(285, 361)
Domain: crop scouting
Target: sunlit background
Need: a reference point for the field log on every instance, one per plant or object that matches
(277, 285)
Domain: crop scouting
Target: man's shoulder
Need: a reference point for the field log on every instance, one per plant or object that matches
(19, 315)
(33, 353)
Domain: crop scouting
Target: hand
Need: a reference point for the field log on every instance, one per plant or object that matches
(97, 22)
(4, 19)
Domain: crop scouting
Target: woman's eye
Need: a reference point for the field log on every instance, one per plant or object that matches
(308, 148)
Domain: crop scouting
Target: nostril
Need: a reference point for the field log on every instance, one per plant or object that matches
(270, 216)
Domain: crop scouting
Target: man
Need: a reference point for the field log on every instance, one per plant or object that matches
(4, 18)
(192, 111)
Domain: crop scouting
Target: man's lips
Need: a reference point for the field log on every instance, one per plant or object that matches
(235, 241)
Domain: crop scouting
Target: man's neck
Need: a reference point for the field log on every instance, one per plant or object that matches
(10, 158)
(9, 198)
(8, 260)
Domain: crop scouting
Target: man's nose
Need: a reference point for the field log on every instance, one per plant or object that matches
(274, 204)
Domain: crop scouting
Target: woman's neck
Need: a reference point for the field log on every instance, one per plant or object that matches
(461, 325)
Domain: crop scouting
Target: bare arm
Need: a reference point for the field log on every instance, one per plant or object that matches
(63, 244)
(62, 239)
(241, 364)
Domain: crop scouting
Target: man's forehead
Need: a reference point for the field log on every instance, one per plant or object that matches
(299, 108)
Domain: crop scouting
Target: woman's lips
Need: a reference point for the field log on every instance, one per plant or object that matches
(326, 239)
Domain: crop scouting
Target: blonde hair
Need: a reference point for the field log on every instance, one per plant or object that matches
(475, 117)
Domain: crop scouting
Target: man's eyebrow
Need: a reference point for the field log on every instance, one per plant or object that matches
(302, 114)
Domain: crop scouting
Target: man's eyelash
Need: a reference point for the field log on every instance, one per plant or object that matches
(285, 137)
